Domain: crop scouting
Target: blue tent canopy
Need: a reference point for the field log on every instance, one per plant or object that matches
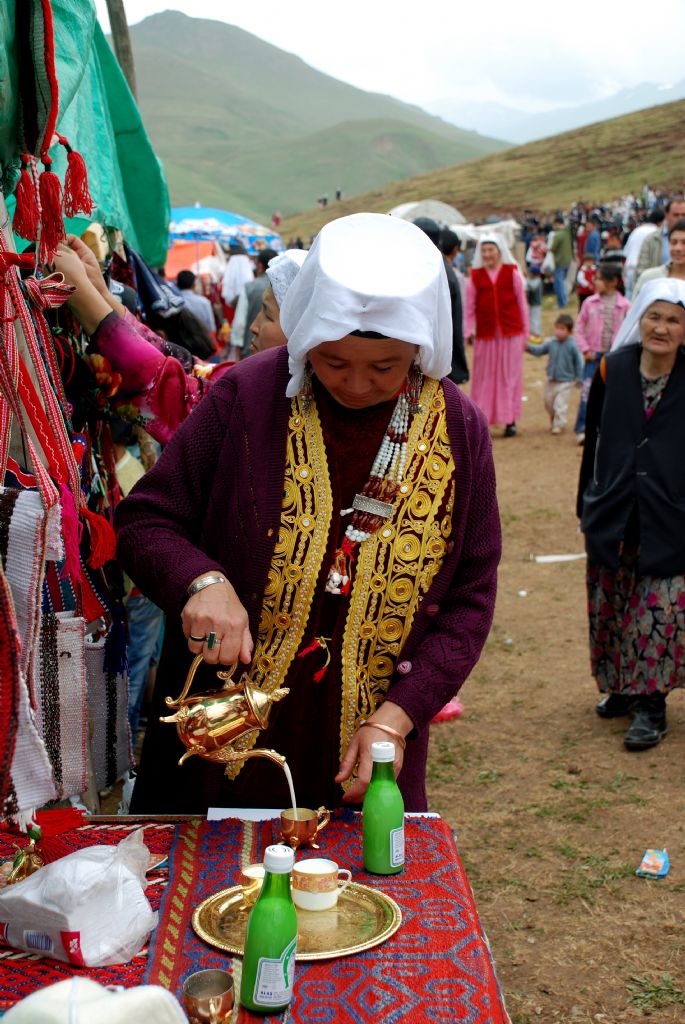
(205, 223)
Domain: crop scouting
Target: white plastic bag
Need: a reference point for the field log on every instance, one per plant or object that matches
(548, 264)
(88, 908)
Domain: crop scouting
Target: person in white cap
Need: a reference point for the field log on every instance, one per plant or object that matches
(82, 1001)
(328, 516)
(280, 274)
(631, 503)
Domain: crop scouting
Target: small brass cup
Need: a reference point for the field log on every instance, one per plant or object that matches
(301, 825)
(208, 997)
(251, 878)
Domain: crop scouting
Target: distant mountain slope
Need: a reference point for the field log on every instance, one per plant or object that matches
(597, 163)
(244, 125)
(519, 126)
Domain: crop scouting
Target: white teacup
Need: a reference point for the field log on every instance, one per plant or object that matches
(317, 883)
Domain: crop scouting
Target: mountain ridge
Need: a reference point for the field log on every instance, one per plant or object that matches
(522, 126)
(597, 163)
(221, 105)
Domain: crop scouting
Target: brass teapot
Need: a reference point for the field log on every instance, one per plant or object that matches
(209, 723)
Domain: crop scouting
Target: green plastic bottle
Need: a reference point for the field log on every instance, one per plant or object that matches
(383, 815)
(271, 938)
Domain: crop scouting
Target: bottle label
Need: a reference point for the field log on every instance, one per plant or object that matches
(274, 978)
(397, 847)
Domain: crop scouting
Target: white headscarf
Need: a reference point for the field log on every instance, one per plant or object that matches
(283, 270)
(664, 289)
(492, 239)
(370, 272)
(239, 272)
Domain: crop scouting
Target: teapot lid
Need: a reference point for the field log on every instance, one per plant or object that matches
(260, 702)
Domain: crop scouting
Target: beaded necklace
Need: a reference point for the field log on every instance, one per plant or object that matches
(374, 505)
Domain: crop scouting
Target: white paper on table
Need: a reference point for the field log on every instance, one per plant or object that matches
(243, 813)
(266, 813)
(559, 558)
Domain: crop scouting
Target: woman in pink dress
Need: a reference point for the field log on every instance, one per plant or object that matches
(497, 321)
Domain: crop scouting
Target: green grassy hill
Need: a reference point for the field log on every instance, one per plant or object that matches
(597, 163)
(243, 125)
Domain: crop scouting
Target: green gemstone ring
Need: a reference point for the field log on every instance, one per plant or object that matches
(211, 641)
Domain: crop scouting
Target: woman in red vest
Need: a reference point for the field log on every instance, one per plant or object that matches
(497, 323)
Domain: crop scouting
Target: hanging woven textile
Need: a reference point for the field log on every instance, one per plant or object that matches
(10, 683)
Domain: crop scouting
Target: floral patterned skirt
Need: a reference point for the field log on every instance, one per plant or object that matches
(637, 629)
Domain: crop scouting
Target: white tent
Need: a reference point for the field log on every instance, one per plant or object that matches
(442, 213)
(507, 230)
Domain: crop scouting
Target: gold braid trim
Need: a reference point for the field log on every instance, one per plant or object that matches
(298, 556)
(397, 565)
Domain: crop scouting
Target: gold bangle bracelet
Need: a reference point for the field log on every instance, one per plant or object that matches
(397, 736)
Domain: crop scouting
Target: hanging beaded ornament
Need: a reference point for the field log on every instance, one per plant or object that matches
(375, 504)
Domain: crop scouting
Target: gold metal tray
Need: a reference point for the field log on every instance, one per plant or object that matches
(363, 918)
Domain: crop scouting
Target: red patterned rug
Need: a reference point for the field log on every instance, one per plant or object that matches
(23, 973)
(436, 968)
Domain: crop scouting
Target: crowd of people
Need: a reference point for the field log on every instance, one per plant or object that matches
(334, 362)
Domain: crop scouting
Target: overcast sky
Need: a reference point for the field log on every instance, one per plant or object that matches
(531, 54)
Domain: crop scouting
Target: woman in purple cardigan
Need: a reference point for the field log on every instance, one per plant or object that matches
(327, 515)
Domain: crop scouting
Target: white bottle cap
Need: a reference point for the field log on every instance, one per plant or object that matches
(383, 750)
(278, 860)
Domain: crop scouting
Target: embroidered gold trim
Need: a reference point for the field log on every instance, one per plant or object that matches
(306, 516)
(397, 565)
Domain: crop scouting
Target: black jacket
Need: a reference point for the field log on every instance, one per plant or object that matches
(460, 369)
(634, 468)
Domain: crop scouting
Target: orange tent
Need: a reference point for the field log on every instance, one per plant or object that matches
(184, 255)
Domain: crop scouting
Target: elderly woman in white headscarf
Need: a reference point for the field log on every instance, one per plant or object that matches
(327, 515)
(281, 272)
(497, 322)
(631, 502)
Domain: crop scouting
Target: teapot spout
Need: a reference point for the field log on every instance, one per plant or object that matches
(169, 718)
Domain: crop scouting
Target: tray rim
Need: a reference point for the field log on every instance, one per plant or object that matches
(376, 940)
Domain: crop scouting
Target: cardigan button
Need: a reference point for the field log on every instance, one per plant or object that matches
(432, 609)
(404, 668)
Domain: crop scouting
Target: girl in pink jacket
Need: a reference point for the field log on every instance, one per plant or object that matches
(598, 323)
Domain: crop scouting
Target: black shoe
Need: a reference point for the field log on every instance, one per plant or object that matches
(510, 430)
(614, 705)
(648, 727)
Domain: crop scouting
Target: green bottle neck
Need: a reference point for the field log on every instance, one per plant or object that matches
(276, 885)
(383, 771)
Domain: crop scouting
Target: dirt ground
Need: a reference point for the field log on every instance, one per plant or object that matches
(552, 814)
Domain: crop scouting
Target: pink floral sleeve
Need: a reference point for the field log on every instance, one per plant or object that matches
(160, 384)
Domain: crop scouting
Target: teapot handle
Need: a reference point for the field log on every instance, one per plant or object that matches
(169, 701)
(226, 675)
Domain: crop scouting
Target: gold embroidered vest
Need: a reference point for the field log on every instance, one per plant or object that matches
(394, 570)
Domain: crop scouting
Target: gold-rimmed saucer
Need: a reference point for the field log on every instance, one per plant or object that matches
(363, 918)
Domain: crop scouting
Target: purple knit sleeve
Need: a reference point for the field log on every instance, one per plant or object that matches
(452, 645)
(160, 523)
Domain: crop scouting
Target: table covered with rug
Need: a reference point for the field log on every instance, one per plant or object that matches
(436, 967)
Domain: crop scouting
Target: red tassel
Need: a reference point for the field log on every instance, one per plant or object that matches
(103, 540)
(313, 646)
(318, 676)
(76, 195)
(71, 533)
(25, 220)
(52, 223)
(55, 821)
